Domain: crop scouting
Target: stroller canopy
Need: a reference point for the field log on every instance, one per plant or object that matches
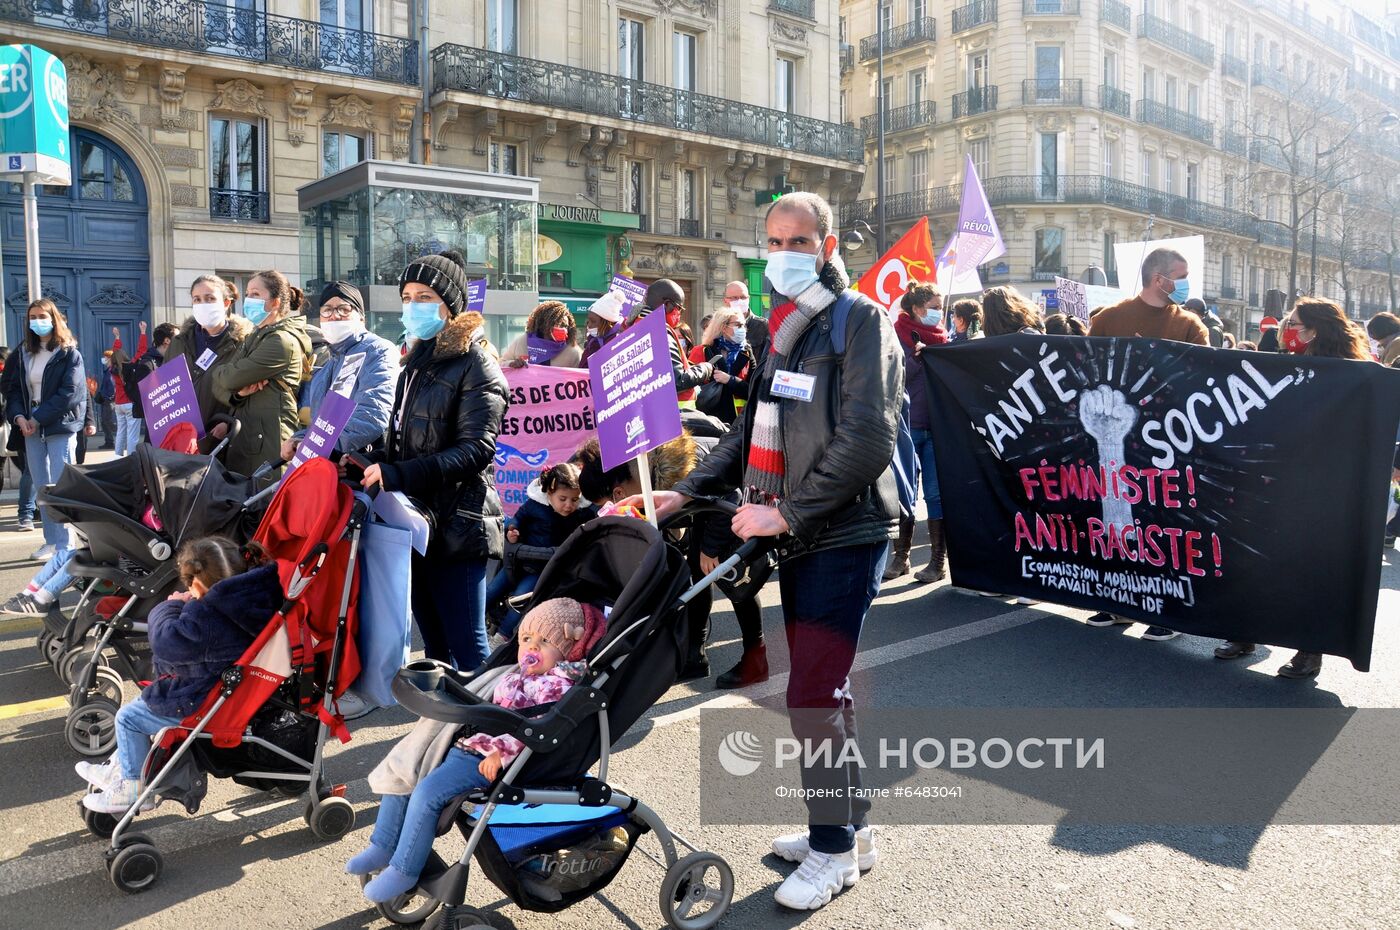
(193, 495)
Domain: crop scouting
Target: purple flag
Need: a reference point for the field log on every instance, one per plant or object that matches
(168, 398)
(476, 295)
(978, 238)
(634, 392)
(330, 417)
(633, 292)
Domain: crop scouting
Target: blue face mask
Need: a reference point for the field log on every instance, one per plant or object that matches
(741, 333)
(791, 273)
(1181, 290)
(933, 318)
(41, 327)
(421, 320)
(254, 310)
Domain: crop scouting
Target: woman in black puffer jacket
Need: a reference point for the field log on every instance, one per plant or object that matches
(441, 452)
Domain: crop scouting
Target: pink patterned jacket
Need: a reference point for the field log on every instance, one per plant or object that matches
(517, 690)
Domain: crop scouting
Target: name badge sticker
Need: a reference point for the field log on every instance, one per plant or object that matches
(208, 358)
(794, 385)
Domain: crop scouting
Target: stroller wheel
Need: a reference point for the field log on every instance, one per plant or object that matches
(41, 642)
(135, 867)
(463, 918)
(696, 891)
(71, 666)
(53, 651)
(401, 910)
(91, 728)
(331, 818)
(108, 685)
(98, 824)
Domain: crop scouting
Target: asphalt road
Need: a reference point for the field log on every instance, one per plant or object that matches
(246, 860)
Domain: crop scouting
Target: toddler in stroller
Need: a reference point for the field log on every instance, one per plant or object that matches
(548, 635)
(195, 635)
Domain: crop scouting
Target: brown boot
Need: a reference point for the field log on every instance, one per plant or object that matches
(1302, 665)
(937, 568)
(751, 669)
(899, 557)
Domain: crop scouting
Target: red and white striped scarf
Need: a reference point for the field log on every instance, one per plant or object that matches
(763, 476)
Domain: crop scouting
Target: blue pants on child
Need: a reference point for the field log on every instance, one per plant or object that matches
(136, 724)
(407, 823)
(500, 587)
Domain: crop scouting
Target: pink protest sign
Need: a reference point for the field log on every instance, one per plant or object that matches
(550, 415)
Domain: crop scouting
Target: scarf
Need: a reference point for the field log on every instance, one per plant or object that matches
(731, 352)
(763, 476)
(542, 350)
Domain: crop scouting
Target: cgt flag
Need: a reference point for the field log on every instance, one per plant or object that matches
(909, 261)
(1170, 483)
(977, 237)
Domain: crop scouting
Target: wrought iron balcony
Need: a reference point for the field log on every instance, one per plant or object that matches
(1063, 93)
(1175, 38)
(1229, 292)
(1306, 90)
(1113, 100)
(1177, 121)
(690, 228)
(901, 118)
(1270, 153)
(215, 29)
(1233, 143)
(239, 206)
(848, 58)
(804, 8)
(1374, 89)
(898, 37)
(1233, 67)
(1325, 35)
(544, 83)
(976, 13)
(1048, 273)
(1050, 8)
(1117, 14)
(974, 101)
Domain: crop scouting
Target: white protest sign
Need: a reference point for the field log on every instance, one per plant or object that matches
(1129, 257)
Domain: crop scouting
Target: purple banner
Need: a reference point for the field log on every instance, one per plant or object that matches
(476, 295)
(633, 292)
(978, 238)
(634, 392)
(168, 399)
(328, 419)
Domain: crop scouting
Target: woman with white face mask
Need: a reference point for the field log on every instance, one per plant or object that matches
(207, 339)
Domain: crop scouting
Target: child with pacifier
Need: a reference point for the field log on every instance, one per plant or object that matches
(404, 832)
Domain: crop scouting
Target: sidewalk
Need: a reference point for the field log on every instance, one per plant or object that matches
(95, 454)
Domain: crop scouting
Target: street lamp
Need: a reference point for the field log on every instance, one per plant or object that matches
(880, 104)
(1386, 123)
(853, 240)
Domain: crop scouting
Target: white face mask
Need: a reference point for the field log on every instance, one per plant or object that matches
(210, 316)
(337, 331)
(739, 303)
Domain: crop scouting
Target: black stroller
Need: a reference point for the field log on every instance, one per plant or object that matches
(623, 564)
(129, 564)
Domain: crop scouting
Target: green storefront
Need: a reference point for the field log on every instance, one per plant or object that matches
(576, 249)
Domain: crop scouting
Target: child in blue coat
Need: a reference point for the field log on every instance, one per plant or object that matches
(195, 635)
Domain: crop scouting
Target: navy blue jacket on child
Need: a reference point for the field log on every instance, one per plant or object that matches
(192, 642)
(542, 530)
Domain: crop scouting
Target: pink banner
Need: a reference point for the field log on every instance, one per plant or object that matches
(550, 415)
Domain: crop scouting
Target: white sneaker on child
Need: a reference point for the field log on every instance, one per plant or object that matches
(117, 798)
(353, 707)
(99, 775)
(794, 848)
(820, 876)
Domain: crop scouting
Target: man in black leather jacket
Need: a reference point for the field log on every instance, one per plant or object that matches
(815, 465)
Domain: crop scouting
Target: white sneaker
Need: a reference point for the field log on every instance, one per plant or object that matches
(353, 707)
(43, 553)
(819, 877)
(100, 775)
(496, 642)
(114, 799)
(793, 847)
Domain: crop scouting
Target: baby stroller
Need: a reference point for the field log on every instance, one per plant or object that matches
(126, 555)
(547, 810)
(265, 724)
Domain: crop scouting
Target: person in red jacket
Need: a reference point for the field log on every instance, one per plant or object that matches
(128, 427)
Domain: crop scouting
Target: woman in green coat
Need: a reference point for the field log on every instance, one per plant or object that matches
(259, 382)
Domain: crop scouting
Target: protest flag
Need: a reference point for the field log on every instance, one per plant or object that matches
(977, 238)
(909, 261)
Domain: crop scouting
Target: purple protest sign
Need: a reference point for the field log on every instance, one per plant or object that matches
(633, 292)
(476, 295)
(168, 399)
(634, 392)
(978, 237)
(330, 417)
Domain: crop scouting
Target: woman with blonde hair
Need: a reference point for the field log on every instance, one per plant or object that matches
(1006, 310)
(724, 344)
(47, 403)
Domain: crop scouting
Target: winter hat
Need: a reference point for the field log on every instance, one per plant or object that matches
(558, 621)
(445, 273)
(608, 307)
(346, 292)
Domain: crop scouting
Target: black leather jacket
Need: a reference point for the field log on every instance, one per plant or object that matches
(838, 448)
(442, 441)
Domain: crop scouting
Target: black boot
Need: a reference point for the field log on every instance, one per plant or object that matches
(1234, 650)
(1302, 665)
(937, 567)
(751, 669)
(899, 558)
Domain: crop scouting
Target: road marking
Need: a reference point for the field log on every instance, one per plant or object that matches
(24, 708)
(24, 625)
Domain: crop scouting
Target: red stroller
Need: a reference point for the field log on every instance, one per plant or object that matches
(265, 724)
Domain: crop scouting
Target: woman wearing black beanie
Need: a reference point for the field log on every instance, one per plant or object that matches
(447, 414)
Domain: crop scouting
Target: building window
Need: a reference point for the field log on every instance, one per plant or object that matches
(344, 14)
(917, 82)
(889, 175)
(843, 107)
(1049, 250)
(683, 69)
(785, 85)
(918, 9)
(979, 151)
(1168, 175)
(1229, 194)
(634, 193)
(918, 170)
(689, 188)
(1110, 159)
(1048, 159)
(631, 48)
(1047, 66)
(1110, 261)
(1110, 69)
(237, 170)
(341, 150)
(1149, 170)
(505, 158)
(887, 93)
(1169, 91)
(1193, 100)
(1227, 273)
(502, 25)
(1149, 84)
(886, 15)
(1193, 180)
(977, 70)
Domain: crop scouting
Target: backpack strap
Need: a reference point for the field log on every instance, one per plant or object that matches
(840, 313)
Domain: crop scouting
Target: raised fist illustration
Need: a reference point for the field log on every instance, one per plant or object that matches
(1107, 417)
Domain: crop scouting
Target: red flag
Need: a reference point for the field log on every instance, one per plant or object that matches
(909, 261)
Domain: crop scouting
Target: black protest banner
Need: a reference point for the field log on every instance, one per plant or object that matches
(1231, 494)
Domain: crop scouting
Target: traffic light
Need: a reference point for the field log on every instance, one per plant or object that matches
(779, 188)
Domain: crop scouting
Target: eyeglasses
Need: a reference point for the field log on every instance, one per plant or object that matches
(336, 312)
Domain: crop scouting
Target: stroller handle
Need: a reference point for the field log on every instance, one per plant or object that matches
(698, 506)
(235, 426)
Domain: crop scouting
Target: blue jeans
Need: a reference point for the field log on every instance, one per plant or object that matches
(47, 458)
(128, 430)
(449, 603)
(928, 471)
(826, 595)
(136, 724)
(407, 823)
(27, 494)
(500, 587)
(54, 577)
